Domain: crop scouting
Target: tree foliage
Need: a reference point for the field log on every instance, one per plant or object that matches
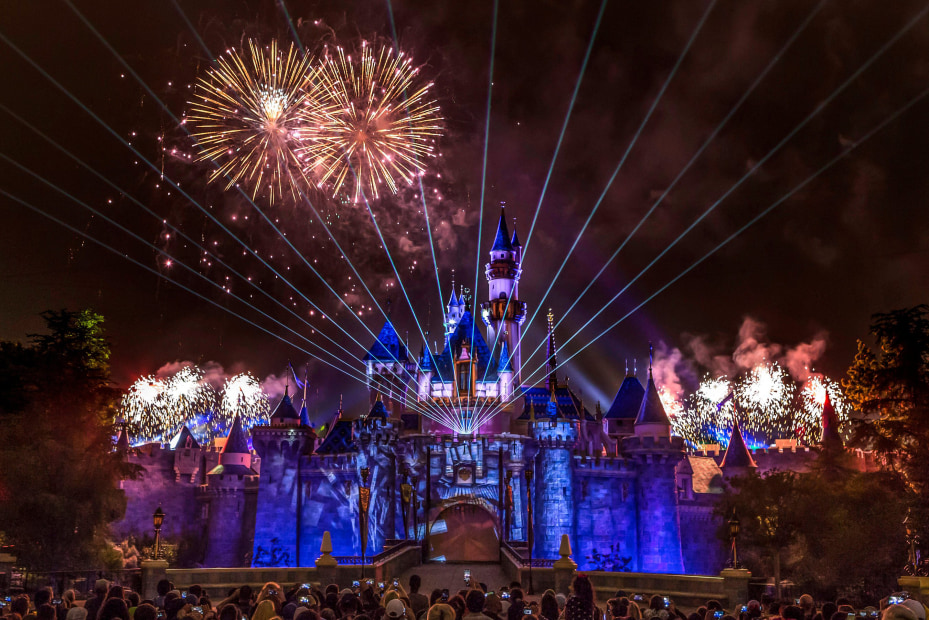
(821, 529)
(59, 475)
(889, 386)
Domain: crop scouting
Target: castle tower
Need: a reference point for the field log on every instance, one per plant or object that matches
(455, 309)
(282, 491)
(503, 313)
(656, 454)
(389, 369)
(738, 460)
(557, 435)
(230, 494)
(285, 414)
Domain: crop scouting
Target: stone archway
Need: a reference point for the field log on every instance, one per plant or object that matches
(464, 532)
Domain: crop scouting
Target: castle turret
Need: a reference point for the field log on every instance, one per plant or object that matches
(426, 372)
(738, 460)
(656, 454)
(505, 373)
(285, 414)
(455, 309)
(830, 438)
(230, 495)
(503, 313)
(388, 367)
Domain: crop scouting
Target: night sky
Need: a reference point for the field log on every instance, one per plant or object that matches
(799, 286)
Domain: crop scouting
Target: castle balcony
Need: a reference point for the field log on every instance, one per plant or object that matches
(503, 309)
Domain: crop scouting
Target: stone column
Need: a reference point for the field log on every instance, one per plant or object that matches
(153, 571)
(565, 568)
(735, 585)
(326, 566)
(918, 587)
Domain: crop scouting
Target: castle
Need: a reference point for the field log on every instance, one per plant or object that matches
(455, 452)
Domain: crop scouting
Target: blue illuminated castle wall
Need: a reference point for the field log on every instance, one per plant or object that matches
(627, 493)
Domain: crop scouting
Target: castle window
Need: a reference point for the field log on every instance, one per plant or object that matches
(205, 511)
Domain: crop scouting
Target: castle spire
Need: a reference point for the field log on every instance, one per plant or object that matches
(502, 241)
(830, 438)
(551, 355)
(737, 454)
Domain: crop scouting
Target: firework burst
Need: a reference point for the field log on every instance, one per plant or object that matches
(809, 417)
(145, 409)
(376, 125)
(242, 395)
(250, 111)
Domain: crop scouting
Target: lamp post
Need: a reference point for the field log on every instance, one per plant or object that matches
(733, 535)
(364, 500)
(158, 519)
(415, 519)
(912, 559)
(530, 530)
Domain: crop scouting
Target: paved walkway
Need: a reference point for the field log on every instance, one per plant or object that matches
(439, 575)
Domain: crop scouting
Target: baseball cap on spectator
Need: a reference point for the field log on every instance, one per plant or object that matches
(396, 609)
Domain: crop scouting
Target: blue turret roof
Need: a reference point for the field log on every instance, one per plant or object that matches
(340, 439)
(236, 442)
(566, 404)
(502, 241)
(285, 411)
(628, 400)
(651, 411)
(465, 331)
(515, 240)
(378, 410)
(505, 364)
(388, 347)
(305, 416)
(453, 300)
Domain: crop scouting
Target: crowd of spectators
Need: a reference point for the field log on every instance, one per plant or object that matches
(368, 600)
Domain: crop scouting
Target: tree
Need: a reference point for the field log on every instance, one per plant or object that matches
(59, 475)
(821, 529)
(890, 390)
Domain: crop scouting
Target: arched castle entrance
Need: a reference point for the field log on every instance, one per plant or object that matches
(464, 532)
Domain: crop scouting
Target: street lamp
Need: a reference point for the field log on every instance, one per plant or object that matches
(158, 519)
(733, 535)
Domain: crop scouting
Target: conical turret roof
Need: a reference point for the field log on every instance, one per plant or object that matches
(504, 365)
(285, 411)
(502, 240)
(388, 347)
(737, 453)
(237, 441)
(651, 411)
(628, 400)
(830, 436)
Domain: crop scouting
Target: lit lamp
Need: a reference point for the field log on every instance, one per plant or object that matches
(733, 535)
(158, 519)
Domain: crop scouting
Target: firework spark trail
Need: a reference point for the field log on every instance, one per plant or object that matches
(369, 126)
(361, 378)
(242, 396)
(754, 169)
(619, 166)
(897, 113)
(249, 115)
(774, 60)
(144, 411)
(189, 393)
(551, 165)
(157, 273)
(155, 168)
(808, 422)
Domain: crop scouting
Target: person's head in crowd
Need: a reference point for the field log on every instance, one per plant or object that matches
(45, 612)
(493, 606)
(395, 610)
(173, 605)
(619, 607)
(516, 593)
(304, 613)
(144, 611)
(827, 610)
(42, 596)
(132, 599)
(806, 604)
(164, 586)
(457, 603)
(196, 590)
(515, 611)
(714, 605)
(79, 613)
(792, 612)
(898, 612)
(265, 610)
(916, 607)
(348, 605)
(114, 609)
(115, 591)
(548, 609)
(227, 612)
(327, 614)
(474, 601)
(20, 605)
(415, 583)
(583, 589)
(434, 597)
(838, 615)
(440, 611)
(562, 601)
(656, 602)
(694, 616)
